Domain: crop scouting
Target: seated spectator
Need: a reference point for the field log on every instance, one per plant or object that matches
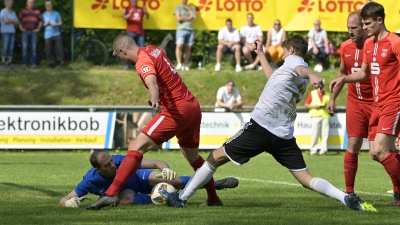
(228, 42)
(8, 21)
(52, 34)
(276, 35)
(228, 98)
(249, 33)
(318, 45)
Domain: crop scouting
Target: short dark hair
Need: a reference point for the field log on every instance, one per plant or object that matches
(358, 15)
(93, 158)
(228, 20)
(299, 44)
(373, 10)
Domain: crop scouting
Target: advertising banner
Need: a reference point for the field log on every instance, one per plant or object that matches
(295, 15)
(56, 130)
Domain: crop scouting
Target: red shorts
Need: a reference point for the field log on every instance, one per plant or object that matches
(357, 118)
(384, 119)
(182, 122)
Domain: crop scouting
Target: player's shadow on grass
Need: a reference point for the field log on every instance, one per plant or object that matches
(32, 188)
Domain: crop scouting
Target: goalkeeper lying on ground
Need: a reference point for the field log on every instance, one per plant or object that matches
(136, 190)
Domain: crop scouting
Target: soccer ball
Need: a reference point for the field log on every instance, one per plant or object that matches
(156, 197)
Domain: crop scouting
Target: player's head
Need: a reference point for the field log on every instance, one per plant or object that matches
(48, 5)
(317, 25)
(134, 2)
(295, 45)
(103, 163)
(8, 3)
(30, 3)
(229, 85)
(123, 46)
(228, 23)
(250, 18)
(184, 2)
(355, 28)
(373, 18)
(277, 25)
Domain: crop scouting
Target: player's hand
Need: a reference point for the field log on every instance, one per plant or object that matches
(315, 51)
(317, 82)
(327, 50)
(257, 46)
(155, 105)
(74, 202)
(330, 106)
(166, 174)
(335, 83)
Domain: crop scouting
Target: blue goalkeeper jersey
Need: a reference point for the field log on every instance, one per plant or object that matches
(94, 183)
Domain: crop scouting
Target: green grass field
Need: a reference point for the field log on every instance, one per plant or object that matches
(32, 183)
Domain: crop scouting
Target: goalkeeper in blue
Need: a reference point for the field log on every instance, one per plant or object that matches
(270, 129)
(137, 189)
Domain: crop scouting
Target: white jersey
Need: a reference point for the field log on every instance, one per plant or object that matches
(251, 33)
(276, 108)
(227, 98)
(318, 37)
(226, 35)
(276, 37)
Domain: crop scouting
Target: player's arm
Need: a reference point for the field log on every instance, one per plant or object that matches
(151, 83)
(192, 12)
(258, 48)
(269, 37)
(220, 103)
(315, 81)
(358, 76)
(182, 18)
(222, 42)
(145, 13)
(335, 92)
(68, 197)
(126, 15)
(153, 164)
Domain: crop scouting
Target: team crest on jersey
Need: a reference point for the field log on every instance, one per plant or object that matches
(145, 69)
(155, 53)
(384, 52)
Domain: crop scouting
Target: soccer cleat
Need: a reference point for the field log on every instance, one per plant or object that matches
(229, 182)
(172, 198)
(217, 203)
(238, 68)
(217, 67)
(104, 201)
(178, 67)
(356, 203)
(396, 200)
(249, 67)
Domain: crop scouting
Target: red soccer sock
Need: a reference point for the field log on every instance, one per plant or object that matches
(210, 188)
(126, 170)
(392, 166)
(350, 170)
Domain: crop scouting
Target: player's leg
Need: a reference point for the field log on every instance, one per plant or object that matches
(219, 52)
(236, 49)
(188, 48)
(315, 128)
(180, 40)
(129, 197)
(247, 54)
(324, 136)
(272, 51)
(280, 54)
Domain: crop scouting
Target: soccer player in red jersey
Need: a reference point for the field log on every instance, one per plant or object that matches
(381, 61)
(179, 115)
(359, 98)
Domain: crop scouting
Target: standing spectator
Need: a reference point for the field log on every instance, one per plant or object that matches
(316, 102)
(318, 45)
(249, 33)
(228, 98)
(52, 34)
(30, 24)
(185, 15)
(276, 35)
(228, 42)
(8, 20)
(134, 20)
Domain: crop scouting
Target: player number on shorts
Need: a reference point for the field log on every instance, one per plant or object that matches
(375, 69)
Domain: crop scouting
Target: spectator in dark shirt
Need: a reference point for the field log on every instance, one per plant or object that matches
(30, 24)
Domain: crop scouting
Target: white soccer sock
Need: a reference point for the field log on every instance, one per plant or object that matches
(324, 187)
(199, 179)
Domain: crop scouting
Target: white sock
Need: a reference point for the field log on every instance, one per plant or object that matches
(324, 187)
(199, 179)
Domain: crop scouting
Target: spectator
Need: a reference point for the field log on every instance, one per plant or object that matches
(249, 33)
(134, 20)
(119, 130)
(52, 34)
(316, 102)
(318, 45)
(228, 98)
(8, 20)
(276, 35)
(185, 15)
(30, 24)
(228, 42)
(366, 2)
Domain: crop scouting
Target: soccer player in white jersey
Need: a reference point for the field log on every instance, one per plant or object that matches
(271, 129)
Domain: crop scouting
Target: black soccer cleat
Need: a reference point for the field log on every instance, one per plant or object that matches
(396, 200)
(207, 203)
(172, 198)
(104, 201)
(229, 182)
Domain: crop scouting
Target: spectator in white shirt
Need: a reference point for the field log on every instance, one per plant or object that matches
(276, 35)
(228, 42)
(318, 45)
(228, 98)
(248, 34)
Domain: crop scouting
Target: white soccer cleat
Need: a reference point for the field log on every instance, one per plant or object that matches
(217, 67)
(249, 67)
(238, 68)
(186, 68)
(178, 67)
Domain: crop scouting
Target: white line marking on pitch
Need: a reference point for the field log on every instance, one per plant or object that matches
(299, 185)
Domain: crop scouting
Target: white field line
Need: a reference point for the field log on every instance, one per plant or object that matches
(299, 185)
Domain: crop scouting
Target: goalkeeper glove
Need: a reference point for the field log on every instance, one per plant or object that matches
(166, 174)
(74, 202)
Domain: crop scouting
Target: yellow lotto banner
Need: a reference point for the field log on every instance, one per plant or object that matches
(295, 15)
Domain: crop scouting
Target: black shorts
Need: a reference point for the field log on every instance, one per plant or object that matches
(254, 139)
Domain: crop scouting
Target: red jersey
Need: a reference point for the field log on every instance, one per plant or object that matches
(352, 58)
(383, 59)
(135, 21)
(30, 19)
(172, 91)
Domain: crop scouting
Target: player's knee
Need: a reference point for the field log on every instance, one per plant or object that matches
(126, 197)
